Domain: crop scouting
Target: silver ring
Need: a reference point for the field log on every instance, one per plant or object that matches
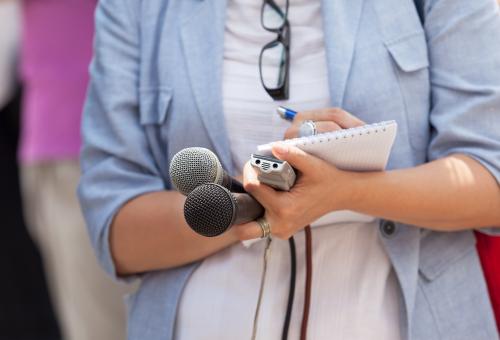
(264, 226)
(307, 128)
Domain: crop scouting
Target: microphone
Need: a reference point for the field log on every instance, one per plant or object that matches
(192, 167)
(211, 209)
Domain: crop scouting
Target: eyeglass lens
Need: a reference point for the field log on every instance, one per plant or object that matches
(273, 14)
(273, 59)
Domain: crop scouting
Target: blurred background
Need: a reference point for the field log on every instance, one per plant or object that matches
(51, 285)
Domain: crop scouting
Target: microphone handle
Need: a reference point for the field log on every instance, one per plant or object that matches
(246, 209)
(232, 184)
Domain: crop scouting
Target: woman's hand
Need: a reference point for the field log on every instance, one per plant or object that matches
(326, 120)
(319, 189)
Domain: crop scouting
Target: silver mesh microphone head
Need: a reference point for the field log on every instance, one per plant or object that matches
(192, 167)
(209, 209)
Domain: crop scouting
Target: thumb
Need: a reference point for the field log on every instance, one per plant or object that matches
(297, 158)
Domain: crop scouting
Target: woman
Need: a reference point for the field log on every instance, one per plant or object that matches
(169, 75)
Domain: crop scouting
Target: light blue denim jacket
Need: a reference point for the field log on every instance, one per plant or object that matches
(156, 89)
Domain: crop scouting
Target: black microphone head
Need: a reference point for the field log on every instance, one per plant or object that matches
(192, 167)
(209, 209)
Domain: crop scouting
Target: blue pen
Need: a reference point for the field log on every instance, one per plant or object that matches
(285, 113)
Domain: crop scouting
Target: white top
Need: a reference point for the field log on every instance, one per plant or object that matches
(9, 38)
(354, 289)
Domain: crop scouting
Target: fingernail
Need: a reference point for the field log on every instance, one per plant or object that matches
(280, 148)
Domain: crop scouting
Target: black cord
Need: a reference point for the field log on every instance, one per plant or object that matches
(291, 292)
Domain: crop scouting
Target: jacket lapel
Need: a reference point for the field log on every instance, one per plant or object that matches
(404, 256)
(340, 24)
(202, 35)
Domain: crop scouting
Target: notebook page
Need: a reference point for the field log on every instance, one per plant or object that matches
(364, 148)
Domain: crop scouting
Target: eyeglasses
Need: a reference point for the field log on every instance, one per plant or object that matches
(275, 54)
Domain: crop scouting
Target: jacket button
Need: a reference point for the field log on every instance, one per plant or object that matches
(388, 228)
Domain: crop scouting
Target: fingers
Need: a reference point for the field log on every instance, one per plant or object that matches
(327, 126)
(248, 231)
(342, 118)
(252, 230)
(297, 158)
(261, 192)
(326, 120)
(321, 127)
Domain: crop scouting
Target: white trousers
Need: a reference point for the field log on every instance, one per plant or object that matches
(88, 304)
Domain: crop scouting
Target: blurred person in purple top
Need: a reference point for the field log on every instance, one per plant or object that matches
(55, 54)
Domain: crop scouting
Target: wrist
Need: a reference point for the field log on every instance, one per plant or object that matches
(348, 190)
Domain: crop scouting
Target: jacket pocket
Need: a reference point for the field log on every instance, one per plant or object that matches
(411, 62)
(452, 290)
(441, 250)
(409, 52)
(154, 104)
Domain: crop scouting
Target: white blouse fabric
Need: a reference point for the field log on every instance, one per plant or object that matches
(355, 294)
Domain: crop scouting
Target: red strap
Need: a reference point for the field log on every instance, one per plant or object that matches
(307, 298)
(488, 248)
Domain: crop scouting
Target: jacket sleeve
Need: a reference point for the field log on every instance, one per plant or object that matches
(116, 162)
(464, 51)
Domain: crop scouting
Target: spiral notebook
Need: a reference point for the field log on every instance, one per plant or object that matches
(364, 148)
